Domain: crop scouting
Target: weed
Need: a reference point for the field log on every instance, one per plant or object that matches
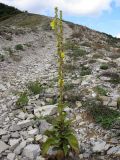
(19, 47)
(100, 90)
(22, 100)
(35, 87)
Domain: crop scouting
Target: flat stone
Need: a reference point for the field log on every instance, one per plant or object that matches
(33, 132)
(3, 146)
(99, 146)
(31, 151)
(14, 143)
(2, 87)
(11, 156)
(19, 148)
(2, 132)
(113, 150)
(24, 124)
(44, 126)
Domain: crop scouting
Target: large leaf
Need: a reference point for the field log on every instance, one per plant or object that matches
(73, 142)
(50, 142)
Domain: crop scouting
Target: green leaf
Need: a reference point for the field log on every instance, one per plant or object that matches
(73, 142)
(50, 142)
(65, 149)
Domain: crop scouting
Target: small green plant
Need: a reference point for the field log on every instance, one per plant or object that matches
(85, 71)
(100, 91)
(2, 57)
(35, 87)
(68, 86)
(19, 47)
(104, 66)
(22, 100)
(61, 138)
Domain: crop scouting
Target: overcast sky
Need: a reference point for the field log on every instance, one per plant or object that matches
(101, 15)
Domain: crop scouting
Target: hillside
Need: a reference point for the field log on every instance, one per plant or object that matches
(7, 11)
(92, 87)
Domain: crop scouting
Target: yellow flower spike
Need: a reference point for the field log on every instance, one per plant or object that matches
(61, 82)
(62, 55)
(52, 24)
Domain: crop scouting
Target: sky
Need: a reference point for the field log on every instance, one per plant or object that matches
(101, 15)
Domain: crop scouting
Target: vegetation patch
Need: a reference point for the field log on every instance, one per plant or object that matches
(101, 114)
(22, 100)
(85, 71)
(35, 87)
(115, 77)
(100, 90)
(19, 47)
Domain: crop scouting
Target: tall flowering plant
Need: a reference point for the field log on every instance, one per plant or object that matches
(61, 138)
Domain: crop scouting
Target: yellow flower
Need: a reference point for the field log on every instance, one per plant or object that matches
(52, 24)
(62, 55)
(61, 82)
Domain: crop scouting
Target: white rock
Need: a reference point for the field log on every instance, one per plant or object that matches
(3, 147)
(2, 132)
(2, 88)
(11, 156)
(14, 143)
(33, 132)
(19, 148)
(31, 151)
(113, 150)
(24, 124)
(99, 146)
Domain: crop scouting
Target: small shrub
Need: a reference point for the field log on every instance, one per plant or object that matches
(19, 47)
(85, 71)
(22, 100)
(2, 58)
(102, 115)
(101, 91)
(35, 87)
(115, 77)
(104, 66)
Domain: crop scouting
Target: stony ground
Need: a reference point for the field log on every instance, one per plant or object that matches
(21, 129)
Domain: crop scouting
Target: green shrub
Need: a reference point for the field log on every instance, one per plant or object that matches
(104, 66)
(19, 47)
(22, 100)
(100, 90)
(35, 87)
(68, 86)
(85, 71)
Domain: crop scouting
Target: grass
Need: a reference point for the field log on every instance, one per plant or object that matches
(19, 47)
(101, 114)
(35, 87)
(104, 66)
(100, 90)
(85, 71)
(22, 100)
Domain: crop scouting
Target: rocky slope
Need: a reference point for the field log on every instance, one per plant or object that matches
(92, 87)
